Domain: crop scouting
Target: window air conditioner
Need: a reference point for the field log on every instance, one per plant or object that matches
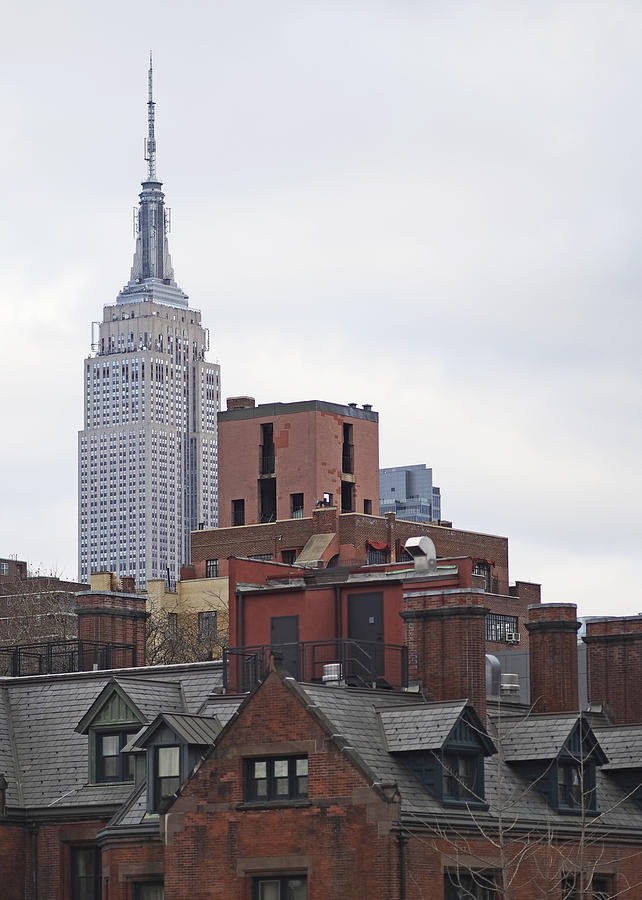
(512, 637)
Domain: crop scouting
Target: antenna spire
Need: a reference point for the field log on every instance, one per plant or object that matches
(150, 143)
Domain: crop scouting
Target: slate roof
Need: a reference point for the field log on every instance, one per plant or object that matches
(45, 760)
(622, 745)
(145, 697)
(535, 736)
(134, 811)
(353, 717)
(223, 706)
(422, 727)
(199, 730)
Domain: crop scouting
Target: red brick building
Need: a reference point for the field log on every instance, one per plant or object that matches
(354, 617)
(280, 460)
(147, 783)
(329, 538)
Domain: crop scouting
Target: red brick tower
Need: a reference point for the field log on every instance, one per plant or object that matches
(279, 460)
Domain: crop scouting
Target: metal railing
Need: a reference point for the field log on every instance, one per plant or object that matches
(65, 656)
(347, 459)
(266, 462)
(369, 664)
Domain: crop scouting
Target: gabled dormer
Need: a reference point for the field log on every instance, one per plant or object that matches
(173, 744)
(444, 746)
(559, 755)
(122, 708)
(623, 746)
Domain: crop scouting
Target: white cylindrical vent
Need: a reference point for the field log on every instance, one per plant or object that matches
(332, 673)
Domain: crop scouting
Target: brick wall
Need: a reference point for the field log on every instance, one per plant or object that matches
(354, 531)
(308, 440)
(553, 631)
(125, 864)
(342, 838)
(614, 664)
(113, 618)
(54, 843)
(15, 862)
(446, 637)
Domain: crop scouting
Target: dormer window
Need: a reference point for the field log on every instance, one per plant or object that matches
(443, 745)
(167, 774)
(461, 777)
(112, 765)
(569, 784)
(110, 723)
(559, 753)
(173, 744)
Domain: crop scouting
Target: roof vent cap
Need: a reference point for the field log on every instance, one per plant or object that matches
(423, 553)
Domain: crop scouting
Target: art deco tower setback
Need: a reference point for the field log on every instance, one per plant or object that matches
(147, 455)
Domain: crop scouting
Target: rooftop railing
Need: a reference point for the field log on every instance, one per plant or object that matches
(65, 656)
(344, 661)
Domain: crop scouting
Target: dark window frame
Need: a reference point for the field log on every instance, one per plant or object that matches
(92, 879)
(238, 512)
(462, 778)
(163, 793)
(470, 885)
(211, 568)
(208, 625)
(282, 882)
(499, 625)
(272, 792)
(125, 763)
(575, 785)
(140, 886)
(483, 568)
(601, 887)
(297, 503)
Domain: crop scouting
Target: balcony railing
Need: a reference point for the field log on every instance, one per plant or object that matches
(347, 459)
(65, 656)
(266, 461)
(369, 664)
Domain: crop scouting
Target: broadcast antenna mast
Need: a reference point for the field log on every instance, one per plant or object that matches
(150, 142)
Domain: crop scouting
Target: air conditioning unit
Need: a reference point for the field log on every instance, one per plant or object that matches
(512, 637)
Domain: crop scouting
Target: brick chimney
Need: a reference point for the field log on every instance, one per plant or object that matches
(552, 629)
(446, 639)
(241, 402)
(614, 666)
(324, 520)
(112, 617)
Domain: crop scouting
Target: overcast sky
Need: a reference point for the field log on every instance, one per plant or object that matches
(433, 207)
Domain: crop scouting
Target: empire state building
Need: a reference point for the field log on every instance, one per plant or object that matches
(147, 455)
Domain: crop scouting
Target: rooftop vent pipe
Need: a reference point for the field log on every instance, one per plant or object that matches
(423, 553)
(510, 685)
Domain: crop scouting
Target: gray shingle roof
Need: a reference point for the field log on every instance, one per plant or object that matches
(422, 727)
(223, 706)
(353, 718)
(199, 730)
(151, 696)
(134, 811)
(46, 764)
(535, 736)
(622, 745)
